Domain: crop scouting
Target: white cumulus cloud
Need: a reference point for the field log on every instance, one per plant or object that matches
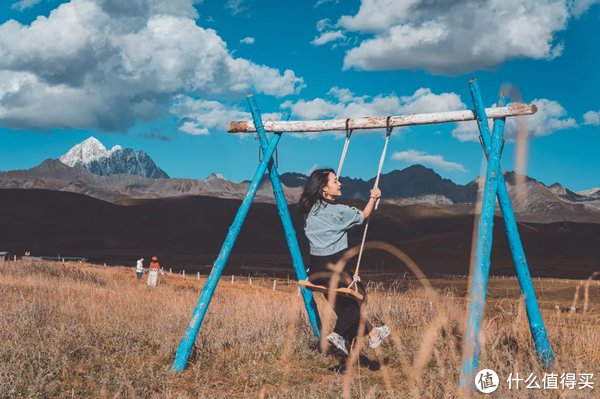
(342, 103)
(592, 118)
(452, 37)
(103, 64)
(236, 6)
(327, 37)
(580, 7)
(248, 40)
(24, 4)
(193, 129)
(323, 2)
(550, 117)
(345, 104)
(415, 156)
(199, 116)
(328, 33)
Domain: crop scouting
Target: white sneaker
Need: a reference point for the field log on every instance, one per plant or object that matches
(382, 332)
(337, 342)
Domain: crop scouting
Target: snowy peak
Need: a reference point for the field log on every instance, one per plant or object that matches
(87, 151)
(592, 192)
(558, 189)
(92, 155)
(215, 176)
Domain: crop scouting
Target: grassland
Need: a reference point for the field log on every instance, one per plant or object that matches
(75, 330)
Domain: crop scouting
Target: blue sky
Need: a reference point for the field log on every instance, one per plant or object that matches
(167, 76)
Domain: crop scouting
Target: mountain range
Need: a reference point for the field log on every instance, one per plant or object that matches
(55, 175)
(118, 175)
(532, 200)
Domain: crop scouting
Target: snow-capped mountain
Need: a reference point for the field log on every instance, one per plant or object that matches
(215, 176)
(592, 192)
(87, 151)
(93, 156)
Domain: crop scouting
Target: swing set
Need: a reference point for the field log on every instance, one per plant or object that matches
(495, 186)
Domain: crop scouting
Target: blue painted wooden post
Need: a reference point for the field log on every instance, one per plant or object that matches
(187, 342)
(482, 260)
(536, 323)
(284, 214)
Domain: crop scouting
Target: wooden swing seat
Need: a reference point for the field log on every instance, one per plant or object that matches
(346, 292)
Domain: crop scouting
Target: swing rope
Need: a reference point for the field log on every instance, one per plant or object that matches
(388, 133)
(345, 150)
(356, 278)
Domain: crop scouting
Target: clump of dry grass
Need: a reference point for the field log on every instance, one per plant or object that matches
(77, 330)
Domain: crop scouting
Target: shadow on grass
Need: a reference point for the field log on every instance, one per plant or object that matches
(364, 361)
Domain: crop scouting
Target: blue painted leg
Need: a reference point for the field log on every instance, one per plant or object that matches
(284, 214)
(187, 343)
(482, 261)
(536, 323)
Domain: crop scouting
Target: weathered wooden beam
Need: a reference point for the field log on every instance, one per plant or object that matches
(380, 123)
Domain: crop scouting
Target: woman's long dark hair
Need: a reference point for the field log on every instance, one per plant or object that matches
(313, 189)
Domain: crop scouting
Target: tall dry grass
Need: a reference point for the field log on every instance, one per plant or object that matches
(72, 330)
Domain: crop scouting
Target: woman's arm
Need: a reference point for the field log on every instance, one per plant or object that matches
(375, 195)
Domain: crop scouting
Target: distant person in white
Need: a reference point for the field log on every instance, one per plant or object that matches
(139, 268)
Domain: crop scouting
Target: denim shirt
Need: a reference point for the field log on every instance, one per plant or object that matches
(327, 224)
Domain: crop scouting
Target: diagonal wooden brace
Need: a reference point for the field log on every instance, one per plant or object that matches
(536, 323)
(187, 342)
(284, 215)
(481, 267)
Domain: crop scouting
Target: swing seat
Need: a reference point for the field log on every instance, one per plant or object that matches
(346, 292)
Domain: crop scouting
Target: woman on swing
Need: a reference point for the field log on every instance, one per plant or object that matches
(326, 226)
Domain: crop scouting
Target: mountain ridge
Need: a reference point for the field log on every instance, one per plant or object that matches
(119, 174)
(534, 202)
(54, 175)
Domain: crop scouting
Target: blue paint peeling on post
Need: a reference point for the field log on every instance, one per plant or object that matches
(187, 343)
(284, 214)
(536, 323)
(482, 259)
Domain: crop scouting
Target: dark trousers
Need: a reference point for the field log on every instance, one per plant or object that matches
(347, 309)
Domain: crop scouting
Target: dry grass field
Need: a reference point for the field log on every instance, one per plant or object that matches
(73, 330)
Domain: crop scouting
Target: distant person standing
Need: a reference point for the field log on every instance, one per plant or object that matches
(139, 268)
(153, 272)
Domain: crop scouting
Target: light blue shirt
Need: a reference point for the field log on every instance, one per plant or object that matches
(327, 224)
